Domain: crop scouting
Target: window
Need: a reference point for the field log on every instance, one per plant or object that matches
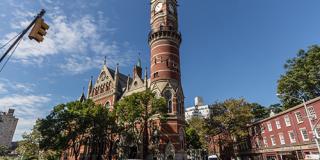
(318, 132)
(156, 75)
(255, 129)
(312, 113)
(278, 124)
(179, 110)
(299, 117)
(262, 129)
(292, 137)
(107, 105)
(304, 134)
(269, 126)
(265, 141)
(168, 97)
(250, 131)
(258, 143)
(273, 141)
(281, 137)
(287, 120)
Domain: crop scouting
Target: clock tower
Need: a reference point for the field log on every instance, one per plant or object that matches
(164, 40)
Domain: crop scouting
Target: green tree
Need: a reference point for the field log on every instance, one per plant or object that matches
(3, 150)
(102, 130)
(276, 108)
(28, 147)
(197, 124)
(66, 127)
(230, 118)
(136, 112)
(301, 78)
(192, 138)
(259, 111)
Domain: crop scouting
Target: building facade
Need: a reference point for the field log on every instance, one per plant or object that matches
(8, 124)
(164, 80)
(286, 135)
(199, 110)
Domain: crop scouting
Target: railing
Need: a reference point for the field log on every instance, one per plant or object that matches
(164, 32)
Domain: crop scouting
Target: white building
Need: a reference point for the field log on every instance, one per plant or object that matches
(8, 124)
(198, 110)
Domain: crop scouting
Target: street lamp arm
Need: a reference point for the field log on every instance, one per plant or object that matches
(285, 95)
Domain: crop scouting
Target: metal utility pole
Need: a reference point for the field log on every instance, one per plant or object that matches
(40, 15)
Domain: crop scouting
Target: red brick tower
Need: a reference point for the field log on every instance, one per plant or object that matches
(164, 41)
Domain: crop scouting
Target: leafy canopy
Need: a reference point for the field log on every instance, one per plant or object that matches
(302, 77)
(230, 116)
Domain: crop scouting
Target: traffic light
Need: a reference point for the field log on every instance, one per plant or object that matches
(39, 30)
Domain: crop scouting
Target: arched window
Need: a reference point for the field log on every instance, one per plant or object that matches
(168, 97)
(182, 138)
(179, 106)
(107, 105)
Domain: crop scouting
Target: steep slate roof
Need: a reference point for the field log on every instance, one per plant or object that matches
(122, 78)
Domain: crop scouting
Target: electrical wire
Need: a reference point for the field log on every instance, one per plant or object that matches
(10, 55)
(10, 40)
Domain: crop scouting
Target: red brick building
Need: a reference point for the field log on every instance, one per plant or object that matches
(164, 80)
(286, 135)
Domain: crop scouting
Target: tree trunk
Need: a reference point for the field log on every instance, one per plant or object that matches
(110, 150)
(145, 139)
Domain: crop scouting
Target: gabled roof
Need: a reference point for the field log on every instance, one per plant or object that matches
(286, 111)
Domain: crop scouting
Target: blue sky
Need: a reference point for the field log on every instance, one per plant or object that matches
(230, 48)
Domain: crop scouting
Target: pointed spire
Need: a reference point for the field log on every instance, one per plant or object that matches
(146, 73)
(128, 82)
(82, 97)
(105, 60)
(146, 77)
(89, 87)
(117, 69)
(139, 61)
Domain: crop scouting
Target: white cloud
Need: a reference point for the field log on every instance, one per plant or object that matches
(76, 65)
(28, 108)
(15, 87)
(3, 89)
(81, 35)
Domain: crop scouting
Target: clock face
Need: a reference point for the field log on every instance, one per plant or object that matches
(171, 9)
(158, 7)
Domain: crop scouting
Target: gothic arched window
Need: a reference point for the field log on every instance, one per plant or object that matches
(168, 97)
(107, 105)
(179, 106)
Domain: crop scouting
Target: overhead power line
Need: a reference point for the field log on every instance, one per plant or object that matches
(10, 40)
(10, 55)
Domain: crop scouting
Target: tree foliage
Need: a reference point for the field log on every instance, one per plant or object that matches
(229, 121)
(196, 133)
(76, 124)
(136, 113)
(302, 77)
(3, 150)
(192, 138)
(230, 116)
(259, 111)
(28, 147)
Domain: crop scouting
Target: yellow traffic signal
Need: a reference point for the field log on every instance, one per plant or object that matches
(39, 30)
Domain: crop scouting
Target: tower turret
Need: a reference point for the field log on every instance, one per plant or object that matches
(164, 41)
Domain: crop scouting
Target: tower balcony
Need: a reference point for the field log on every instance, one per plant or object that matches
(165, 33)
